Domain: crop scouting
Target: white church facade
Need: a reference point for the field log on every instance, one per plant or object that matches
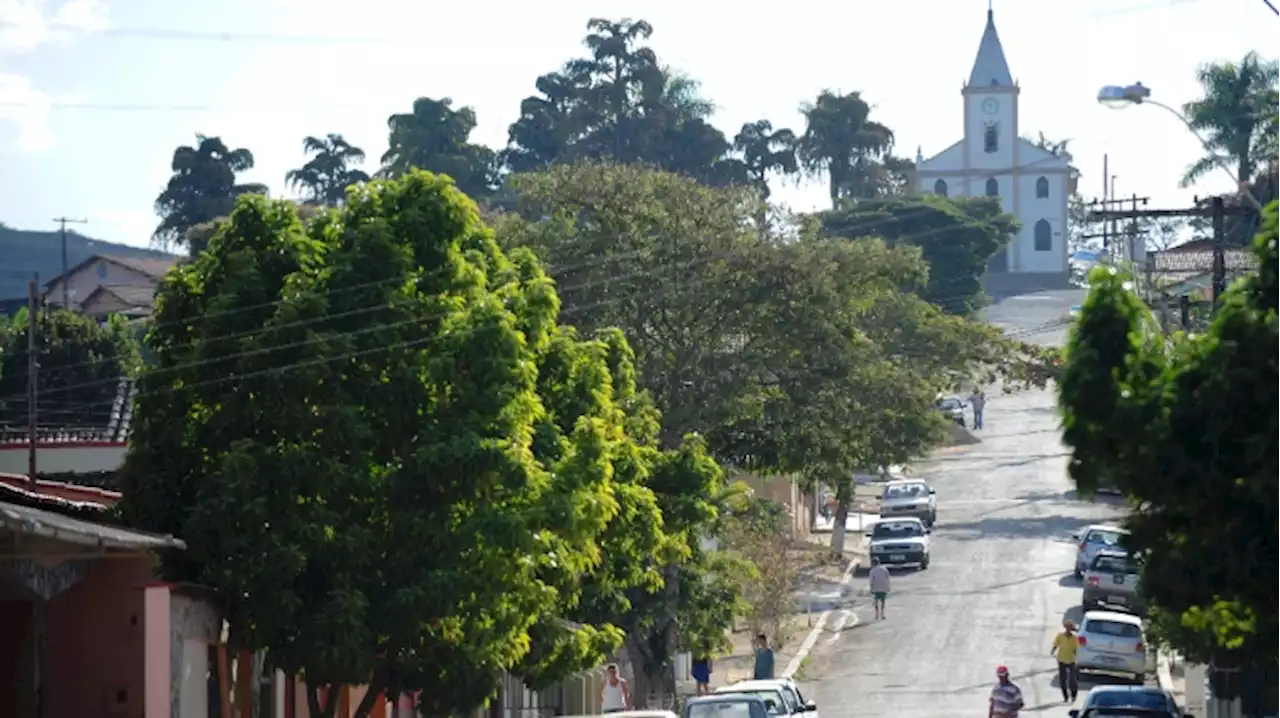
(993, 160)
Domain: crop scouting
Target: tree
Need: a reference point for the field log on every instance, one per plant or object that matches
(203, 187)
(956, 237)
(435, 137)
(841, 141)
(326, 176)
(81, 363)
(765, 151)
(356, 428)
(1186, 426)
(1237, 116)
(758, 530)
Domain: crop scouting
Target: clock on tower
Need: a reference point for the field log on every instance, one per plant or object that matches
(990, 105)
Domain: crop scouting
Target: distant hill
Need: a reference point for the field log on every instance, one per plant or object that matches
(25, 253)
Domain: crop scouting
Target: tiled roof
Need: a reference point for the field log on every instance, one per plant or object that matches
(61, 527)
(156, 268)
(131, 294)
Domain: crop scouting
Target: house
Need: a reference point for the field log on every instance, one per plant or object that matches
(106, 284)
(85, 628)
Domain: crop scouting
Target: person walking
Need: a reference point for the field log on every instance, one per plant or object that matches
(1065, 645)
(878, 578)
(978, 401)
(1006, 696)
(701, 672)
(764, 659)
(615, 696)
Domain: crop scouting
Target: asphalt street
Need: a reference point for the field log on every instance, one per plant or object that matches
(999, 584)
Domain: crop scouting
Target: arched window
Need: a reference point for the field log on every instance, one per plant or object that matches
(1042, 188)
(990, 139)
(940, 188)
(1044, 236)
(993, 188)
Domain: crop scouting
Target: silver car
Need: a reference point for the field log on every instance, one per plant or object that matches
(1112, 578)
(909, 498)
(1112, 642)
(1095, 538)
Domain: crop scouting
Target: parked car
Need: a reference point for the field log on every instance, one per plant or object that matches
(726, 705)
(953, 409)
(1112, 578)
(1111, 642)
(636, 714)
(1095, 538)
(909, 497)
(781, 696)
(1115, 701)
(900, 542)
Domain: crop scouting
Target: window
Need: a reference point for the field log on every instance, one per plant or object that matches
(102, 270)
(1044, 236)
(1112, 628)
(990, 142)
(940, 188)
(1042, 188)
(993, 187)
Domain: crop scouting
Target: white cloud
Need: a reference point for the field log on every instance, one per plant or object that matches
(25, 26)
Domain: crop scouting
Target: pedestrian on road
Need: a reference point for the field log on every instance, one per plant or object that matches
(978, 401)
(1065, 645)
(764, 659)
(878, 577)
(1006, 697)
(615, 697)
(701, 672)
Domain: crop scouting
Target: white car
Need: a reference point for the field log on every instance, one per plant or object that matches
(1112, 642)
(1095, 538)
(909, 497)
(781, 695)
(900, 542)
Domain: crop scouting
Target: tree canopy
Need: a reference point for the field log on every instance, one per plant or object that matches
(202, 188)
(379, 444)
(1186, 426)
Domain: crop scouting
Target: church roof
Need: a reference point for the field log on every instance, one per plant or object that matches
(990, 68)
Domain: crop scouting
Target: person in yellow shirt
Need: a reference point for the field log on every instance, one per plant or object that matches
(1065, 645)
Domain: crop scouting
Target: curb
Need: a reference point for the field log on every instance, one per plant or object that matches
(1164, 673)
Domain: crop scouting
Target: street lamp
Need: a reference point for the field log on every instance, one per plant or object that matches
(1118, 98)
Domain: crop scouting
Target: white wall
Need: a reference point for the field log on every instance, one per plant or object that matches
(193, 701)
(76, 458)
(1005, 117)
(1031, 209)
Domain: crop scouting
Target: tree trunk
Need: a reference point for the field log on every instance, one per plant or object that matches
(641, 685)
(844, 498)
(327, 708)
(370, 699)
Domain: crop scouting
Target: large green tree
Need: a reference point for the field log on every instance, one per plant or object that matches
(842, 142)
(80, 364)
(202, 188)
(1186, 426)
(956, 237)
(434, 136)
(325, 177)
(380, 447)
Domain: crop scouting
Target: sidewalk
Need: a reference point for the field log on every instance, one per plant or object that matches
(1184, 681)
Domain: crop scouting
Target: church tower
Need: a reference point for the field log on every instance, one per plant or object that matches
(990, 105)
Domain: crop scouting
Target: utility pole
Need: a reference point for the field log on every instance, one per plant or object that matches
(62, 230)
(1099, 207)
(1219, 250)
(33, 373)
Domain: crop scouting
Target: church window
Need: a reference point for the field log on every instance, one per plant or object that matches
(1044, 236)
(1042, 188)
(990, 141)
(940, 188)
(993, 187)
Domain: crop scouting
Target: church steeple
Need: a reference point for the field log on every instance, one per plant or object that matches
(990, 68)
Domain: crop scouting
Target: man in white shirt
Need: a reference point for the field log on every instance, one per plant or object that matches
(615, 697)
(879, 579)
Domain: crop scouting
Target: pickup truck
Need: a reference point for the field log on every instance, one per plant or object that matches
(1112, 578)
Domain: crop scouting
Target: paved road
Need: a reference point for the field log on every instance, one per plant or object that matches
(999, 584)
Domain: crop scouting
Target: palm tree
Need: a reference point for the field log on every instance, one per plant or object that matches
(1237, 116)
(202, 188)
(841, 140)
(434, 137)
(764, 150)
(325, 177)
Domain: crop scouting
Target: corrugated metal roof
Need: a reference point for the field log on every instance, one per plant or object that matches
(990, 69)
(48, 524)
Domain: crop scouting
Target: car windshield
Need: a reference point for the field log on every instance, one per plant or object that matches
(1104, 537)
(1115, 564)
(949, 404)
(718, 709)
(773, 701)
(1117, 629)
(894, 530)
(1150, 700)
(905, 491)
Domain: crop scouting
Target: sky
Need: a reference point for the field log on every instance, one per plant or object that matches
(96, 94)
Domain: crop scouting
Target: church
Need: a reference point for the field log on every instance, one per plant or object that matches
(993, 160)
